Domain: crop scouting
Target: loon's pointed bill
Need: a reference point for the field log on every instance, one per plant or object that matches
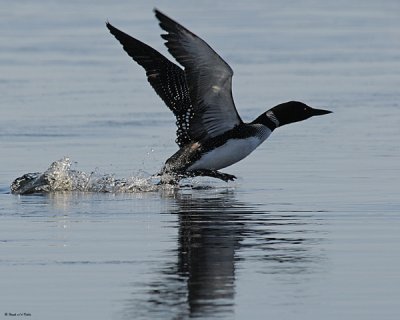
(320, 112)
(210, 134)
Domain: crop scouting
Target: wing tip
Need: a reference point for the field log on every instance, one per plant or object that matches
(166, 22)
(109, 26)
(159, 15)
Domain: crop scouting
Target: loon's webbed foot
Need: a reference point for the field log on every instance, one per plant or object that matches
(173, 178)
(211, 173)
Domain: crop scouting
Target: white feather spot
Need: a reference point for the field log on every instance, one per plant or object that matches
(216, 89)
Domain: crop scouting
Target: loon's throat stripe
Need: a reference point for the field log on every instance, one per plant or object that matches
(272, 117)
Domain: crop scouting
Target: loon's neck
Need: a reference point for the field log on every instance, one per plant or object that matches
(267, 119)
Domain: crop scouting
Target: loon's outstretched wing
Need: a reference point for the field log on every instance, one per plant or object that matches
(167, 79)
(209, 79)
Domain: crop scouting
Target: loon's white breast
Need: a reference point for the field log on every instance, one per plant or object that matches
(230, 152)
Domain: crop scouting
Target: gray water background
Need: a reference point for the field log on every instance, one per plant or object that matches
(310, 230)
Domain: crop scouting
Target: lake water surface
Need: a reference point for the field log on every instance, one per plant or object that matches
(311, 229)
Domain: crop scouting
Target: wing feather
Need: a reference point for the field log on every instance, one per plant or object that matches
(166, 78)
(209, 80)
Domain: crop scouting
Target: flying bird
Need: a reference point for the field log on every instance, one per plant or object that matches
(210, 133)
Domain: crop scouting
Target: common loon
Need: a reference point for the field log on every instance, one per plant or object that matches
(210, 134)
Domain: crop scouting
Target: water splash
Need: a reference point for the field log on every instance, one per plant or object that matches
(60, 177)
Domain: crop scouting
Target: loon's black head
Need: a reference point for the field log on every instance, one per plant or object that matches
(292, 111)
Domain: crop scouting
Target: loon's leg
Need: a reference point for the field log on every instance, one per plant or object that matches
(210, 173)
(174, 177)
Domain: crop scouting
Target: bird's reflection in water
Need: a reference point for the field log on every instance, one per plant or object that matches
(215, 231)
(210, 231)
